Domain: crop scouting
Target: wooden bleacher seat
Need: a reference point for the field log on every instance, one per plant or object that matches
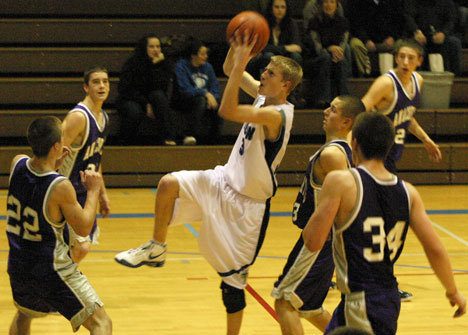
(124, 168)
(135, 8)
(59, 91)
(60, 60)
(307, 122)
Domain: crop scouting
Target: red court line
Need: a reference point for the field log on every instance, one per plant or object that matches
(262, 302)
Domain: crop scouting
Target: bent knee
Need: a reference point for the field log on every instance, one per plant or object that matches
(283, 305)
(99, 320)
(233, 298)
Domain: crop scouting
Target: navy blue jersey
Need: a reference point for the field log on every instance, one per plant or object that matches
(306, 199)
(88, 155)
(368, 245)
(400, 112)
(37, 244)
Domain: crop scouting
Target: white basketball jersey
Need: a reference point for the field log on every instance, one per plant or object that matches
(252, 164)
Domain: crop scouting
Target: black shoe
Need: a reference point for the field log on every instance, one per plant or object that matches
(405, 296)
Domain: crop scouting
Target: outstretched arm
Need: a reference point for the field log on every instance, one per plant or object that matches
(432, 149)
(229, 108)
(248, 84)
(435, 251)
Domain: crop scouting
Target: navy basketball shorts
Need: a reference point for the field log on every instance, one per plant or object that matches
(376, 312)
(69, 294)
(306, 278)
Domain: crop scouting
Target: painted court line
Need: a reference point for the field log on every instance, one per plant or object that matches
(448, 232)
(272, 214)
(262, 302)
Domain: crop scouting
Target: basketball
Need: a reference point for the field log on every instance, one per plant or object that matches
(255, 24)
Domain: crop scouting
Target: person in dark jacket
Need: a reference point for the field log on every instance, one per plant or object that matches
(325, 56)
(375, 26)
(285, 39)
(144, 92)
(431, 23)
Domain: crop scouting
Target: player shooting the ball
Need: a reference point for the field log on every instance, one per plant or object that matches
(231, 201)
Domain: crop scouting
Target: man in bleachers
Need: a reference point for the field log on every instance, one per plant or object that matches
(431, 23)
(375, 27)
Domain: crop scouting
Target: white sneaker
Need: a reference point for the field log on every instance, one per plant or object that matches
(190, 140)
(151, 254)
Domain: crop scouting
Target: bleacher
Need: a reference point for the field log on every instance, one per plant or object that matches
(46, 45)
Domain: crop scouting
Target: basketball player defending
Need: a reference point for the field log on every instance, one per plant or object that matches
(396, 94)
(233, 200)
(41, 203)
(306, 278)
(370, 210)
(85, 129)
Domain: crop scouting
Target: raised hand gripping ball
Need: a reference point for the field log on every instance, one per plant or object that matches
(255, 23)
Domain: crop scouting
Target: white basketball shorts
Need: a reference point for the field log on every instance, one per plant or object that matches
(231, 231)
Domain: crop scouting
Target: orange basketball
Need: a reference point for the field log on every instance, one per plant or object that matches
(255, 24)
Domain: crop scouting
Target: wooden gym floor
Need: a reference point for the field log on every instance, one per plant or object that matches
(183, 297)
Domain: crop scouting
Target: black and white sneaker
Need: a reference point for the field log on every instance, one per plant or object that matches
(405, 296)
(151, 254)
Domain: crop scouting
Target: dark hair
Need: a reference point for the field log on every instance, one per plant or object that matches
(271, 17)
(141, 47)
(193, 46)
(43, 133)
(374, 134)
(409, 43)
(352, 106)
(347, 330)
(91, 70)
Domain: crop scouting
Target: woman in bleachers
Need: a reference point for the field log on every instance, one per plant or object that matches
(285, 38)
(144, 93)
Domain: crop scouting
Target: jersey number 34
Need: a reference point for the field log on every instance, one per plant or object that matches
(393, 239)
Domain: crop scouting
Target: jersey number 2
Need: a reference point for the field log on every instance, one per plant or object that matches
(393, 239)
(27, 217)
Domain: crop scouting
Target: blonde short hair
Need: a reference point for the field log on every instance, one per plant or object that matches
(289, 68)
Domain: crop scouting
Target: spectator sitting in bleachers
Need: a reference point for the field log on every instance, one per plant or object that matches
(325, 59)
(285, 39)
(311, 8)
(144, 92)
(431, 23)
(197, 94)
(462, 9)
(375, 27)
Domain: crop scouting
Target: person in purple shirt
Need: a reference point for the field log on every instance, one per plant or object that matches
(85, 130)
(370, 210)
(41, 202)
(396, 94)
